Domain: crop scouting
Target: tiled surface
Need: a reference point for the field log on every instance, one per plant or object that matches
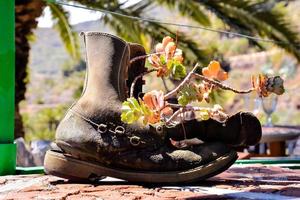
(239, 182)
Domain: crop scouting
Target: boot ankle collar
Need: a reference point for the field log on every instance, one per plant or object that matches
(88, 33)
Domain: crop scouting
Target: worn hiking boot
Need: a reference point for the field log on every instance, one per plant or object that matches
(94, 142)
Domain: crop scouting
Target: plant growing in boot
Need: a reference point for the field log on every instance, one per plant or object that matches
(99, 137)
(154, 107)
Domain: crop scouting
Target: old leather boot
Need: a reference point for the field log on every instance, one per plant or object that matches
(94, 142)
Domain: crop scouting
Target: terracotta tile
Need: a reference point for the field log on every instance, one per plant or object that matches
(291, 191)
(81, 197)
(254, 178)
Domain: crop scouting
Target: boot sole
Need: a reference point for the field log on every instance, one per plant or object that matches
(58, 164)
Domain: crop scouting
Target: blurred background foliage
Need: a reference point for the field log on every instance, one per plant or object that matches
(43, 124)
(53, 78)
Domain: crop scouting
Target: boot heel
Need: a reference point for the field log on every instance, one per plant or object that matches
(57, 164)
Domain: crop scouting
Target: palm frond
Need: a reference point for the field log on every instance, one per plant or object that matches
(61, 23)
(189, 9)
(136, 31)
(192, 50)
(264, 18)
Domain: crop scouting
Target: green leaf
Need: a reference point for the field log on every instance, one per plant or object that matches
(131, 111)
(169, 64)
(134, 104)
(134, 110)
(145, 109)
(187, 94)
(163, 59)
(178, 71)
(127, 117)
(67, 34)
(190, 9)
(265, 18)
(202, 115)
(182, 100)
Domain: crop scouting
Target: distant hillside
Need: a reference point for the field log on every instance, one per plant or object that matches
(48, 55)
(48, 59)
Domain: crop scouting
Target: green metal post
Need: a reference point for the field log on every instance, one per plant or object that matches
(7, 87)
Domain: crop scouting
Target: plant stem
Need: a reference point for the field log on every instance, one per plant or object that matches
(143, 57)
(174, 115)
(173, 105)
(182, 110)
(192, 75)
(182, 84)
(182, 125)
(221, 85)
(165, 84)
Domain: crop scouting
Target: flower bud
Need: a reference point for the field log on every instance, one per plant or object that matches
(159, 48)
(166, 40)
(275, 85)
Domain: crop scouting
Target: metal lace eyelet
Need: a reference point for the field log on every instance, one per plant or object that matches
(119, 130)
(159, 129)
(102, 128)
(111, 131)
(135, 140)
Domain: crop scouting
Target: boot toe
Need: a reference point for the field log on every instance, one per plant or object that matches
(250, 129)
(241, 129)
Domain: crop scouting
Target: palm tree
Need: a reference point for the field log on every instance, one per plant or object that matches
(26, 14)
(264, 18)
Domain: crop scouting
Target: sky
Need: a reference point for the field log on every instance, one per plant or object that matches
(77, 15)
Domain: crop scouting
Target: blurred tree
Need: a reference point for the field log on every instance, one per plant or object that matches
(26, 14)
(266, 18)
(253, 17)
(42, 125)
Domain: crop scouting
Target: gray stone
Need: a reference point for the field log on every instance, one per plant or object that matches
(38, 150)
(33, 155)
(24, 156)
